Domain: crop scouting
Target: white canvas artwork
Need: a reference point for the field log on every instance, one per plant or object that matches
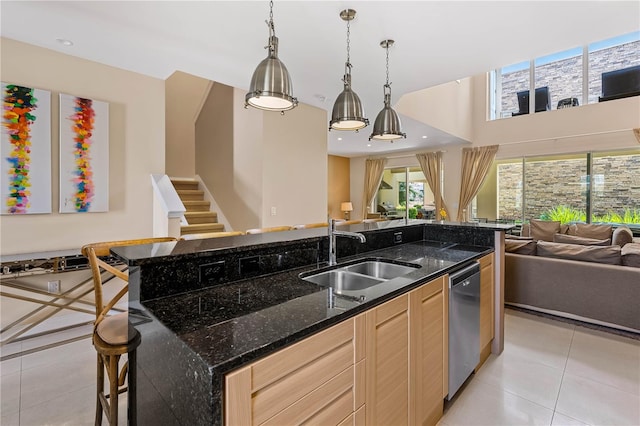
(25, 150)
(84, 155)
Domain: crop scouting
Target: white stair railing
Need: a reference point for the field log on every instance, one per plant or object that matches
(168, 210)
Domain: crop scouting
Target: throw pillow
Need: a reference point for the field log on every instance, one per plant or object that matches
(631, 255)
(621, 236)
(520, 246)
(610, 255)
(591, 230)
(573, 239)
(543, 229)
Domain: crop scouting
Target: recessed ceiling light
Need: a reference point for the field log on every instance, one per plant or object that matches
(339, 139)
(424, 137)
(64, 42)
(368, 144)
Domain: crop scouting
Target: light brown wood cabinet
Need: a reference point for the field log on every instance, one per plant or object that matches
(387, 363)
(428, 306)
(486, 306)
(387, 366)
(316, 381)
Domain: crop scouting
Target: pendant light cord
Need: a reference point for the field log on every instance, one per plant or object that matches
(387, 49)
(272, 28)
(348, 42)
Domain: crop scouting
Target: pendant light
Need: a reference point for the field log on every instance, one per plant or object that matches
(387, 126)
(348, 113)
(271, 88)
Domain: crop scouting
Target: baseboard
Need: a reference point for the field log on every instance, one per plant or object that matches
(635, 334)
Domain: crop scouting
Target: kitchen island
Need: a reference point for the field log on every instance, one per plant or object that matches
(216, 306)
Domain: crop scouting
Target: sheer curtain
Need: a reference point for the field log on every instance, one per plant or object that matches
(372, 177)
(430, 163)
(475, 166)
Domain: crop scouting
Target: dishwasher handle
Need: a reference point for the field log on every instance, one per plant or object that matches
(463, 276)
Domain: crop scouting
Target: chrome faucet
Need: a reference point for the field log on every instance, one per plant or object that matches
(332, 239)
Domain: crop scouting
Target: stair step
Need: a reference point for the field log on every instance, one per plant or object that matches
(201, 217)
(197, 206)
(180, 184)
(191, 195)
(201, 228)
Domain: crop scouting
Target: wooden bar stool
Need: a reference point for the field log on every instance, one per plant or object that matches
(113, 335)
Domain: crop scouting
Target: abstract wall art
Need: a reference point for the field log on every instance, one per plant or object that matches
(84, 155)
(25, 150)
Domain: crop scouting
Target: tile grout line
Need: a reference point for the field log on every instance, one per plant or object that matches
(563, 372)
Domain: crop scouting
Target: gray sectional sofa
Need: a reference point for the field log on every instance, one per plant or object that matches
(592, 276)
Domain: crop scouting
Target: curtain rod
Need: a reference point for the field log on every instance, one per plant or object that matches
(402, 156)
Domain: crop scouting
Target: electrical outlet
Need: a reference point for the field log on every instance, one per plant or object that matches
(53, 286)
(273, 211)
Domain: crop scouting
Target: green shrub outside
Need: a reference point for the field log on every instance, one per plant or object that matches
(565, 214)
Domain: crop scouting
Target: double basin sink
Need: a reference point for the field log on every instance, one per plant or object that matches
(359, 276)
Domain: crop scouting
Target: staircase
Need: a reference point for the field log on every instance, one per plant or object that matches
(199, 218)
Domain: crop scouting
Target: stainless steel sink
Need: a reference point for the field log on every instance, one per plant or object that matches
(342, 280)
(359, 276)
(376, 269)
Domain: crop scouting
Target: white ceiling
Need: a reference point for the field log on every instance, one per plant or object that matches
(436, 42)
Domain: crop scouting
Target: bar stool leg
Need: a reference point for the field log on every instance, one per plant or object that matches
(132, 411)
(113, 389)
(99, 390)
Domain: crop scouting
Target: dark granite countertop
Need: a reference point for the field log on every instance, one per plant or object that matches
(232, 324)
(154, 253)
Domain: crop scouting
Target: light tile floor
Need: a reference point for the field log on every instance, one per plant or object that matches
(551, 373)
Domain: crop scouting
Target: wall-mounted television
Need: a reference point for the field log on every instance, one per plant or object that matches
(543, 101)
(620, 83)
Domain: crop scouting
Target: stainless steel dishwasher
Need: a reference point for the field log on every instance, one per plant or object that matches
(464, 325)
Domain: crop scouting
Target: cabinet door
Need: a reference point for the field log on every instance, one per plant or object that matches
(486, 306)
(312, 380)
(387, 363)
(428, 352)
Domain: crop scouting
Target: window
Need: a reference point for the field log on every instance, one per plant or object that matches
(603, 187)
(513, 79)
(569, 78)
(614, 54)
(561, 73)
(393, 199)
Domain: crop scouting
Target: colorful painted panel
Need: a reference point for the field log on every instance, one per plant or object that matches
(25, 150)
(84, 155)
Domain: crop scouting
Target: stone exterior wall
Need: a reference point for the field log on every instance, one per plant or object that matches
(616, 186)
(564, 78)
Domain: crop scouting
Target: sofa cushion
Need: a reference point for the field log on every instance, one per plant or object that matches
(574, 239)
(610, 254)
(622, 235)
(543, 230)
(631, 255)
(591, 230)
(517, 237)
(520, 246)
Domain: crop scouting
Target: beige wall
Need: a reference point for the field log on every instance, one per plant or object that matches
(254, 161)
(185, 97)
(295, 166)
(338, 189)
(446, 107)
(136, 150)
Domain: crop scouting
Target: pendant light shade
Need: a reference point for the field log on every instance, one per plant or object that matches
(348, 113)
(271, 88)
(387, 126)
